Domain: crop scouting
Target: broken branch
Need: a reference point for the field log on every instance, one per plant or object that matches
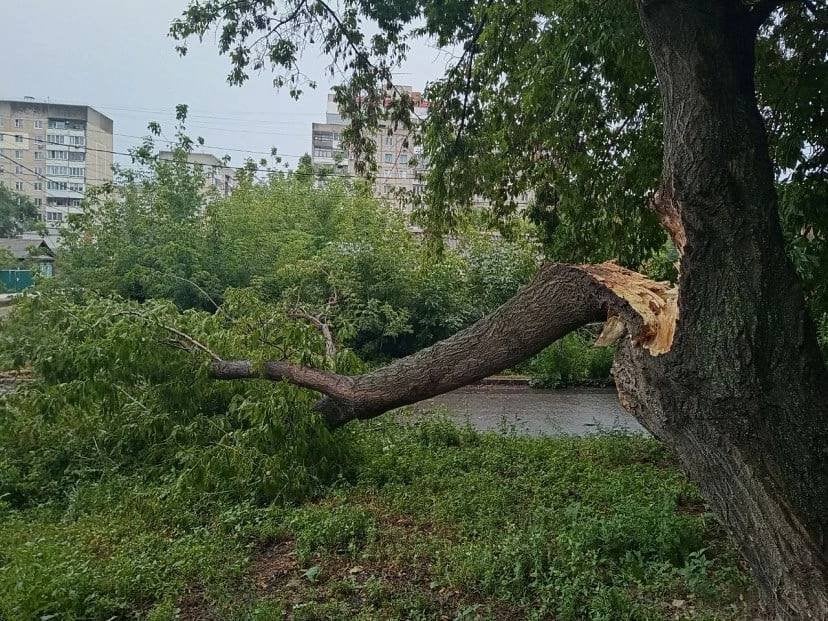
(560, 299)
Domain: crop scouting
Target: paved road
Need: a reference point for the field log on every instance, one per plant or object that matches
(580, 411)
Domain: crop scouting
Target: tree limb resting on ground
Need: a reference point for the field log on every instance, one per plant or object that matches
(560, 299)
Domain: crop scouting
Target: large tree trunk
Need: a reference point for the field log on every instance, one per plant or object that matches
(742, 396)
(731, 377)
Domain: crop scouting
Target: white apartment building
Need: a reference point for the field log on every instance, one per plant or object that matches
(400, 164)
(396, 153)
(52, 153)
(218, 177)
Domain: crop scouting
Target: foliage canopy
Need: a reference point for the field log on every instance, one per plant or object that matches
(17, 213)
(554, 98)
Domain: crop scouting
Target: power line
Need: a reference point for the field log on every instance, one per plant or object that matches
(216, 147)
(214, 166)
(37, 174)
(200, 115)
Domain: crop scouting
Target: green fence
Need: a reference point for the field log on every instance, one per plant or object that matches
(12, 281)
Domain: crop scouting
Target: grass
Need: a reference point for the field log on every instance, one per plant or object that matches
(432, 521)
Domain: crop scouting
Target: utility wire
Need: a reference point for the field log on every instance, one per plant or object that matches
(37, 174)
(214, 166)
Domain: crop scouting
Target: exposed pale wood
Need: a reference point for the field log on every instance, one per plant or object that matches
(655, 302)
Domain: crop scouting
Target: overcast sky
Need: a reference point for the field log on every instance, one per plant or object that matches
(115, 56)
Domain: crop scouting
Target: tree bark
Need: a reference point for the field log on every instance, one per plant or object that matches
(742, 396)
(728, 374)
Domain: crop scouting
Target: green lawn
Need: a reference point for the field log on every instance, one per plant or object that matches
(429, 522)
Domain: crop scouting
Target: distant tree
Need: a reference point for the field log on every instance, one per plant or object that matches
(17, 213)
(304, 169)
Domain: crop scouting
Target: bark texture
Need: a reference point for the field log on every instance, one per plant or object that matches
(742, 396)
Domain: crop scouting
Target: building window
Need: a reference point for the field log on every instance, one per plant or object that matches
(18, 170)
(77, 156)
(57, 155)
(57, 170)
(38, 124)
(38, 170)
(57, 185)
(403, 159)
(56, 139)
(67, 124)
(18, 123)
(38, 185)
(76, 172)
(18, 185)
(389, 140)
(54, 216)
(76, 141)
(18, 138)
(38, 202)
(387, 158)
(18, 153)
(37, 155)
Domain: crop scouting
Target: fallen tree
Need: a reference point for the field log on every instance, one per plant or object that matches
(725, 368)
(560, 299)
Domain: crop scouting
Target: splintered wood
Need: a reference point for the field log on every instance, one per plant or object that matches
(655, 302)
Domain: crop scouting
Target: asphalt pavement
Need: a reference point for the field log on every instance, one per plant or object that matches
(526, 411)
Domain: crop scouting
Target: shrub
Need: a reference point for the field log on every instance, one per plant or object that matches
(571, 360)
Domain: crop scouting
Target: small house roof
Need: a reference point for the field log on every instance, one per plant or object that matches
(27, 248)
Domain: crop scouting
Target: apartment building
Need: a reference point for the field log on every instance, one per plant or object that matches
(52, 153)
(396, 152)
(400, 163)
(218, 176)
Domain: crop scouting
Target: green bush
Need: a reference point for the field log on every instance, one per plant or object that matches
(332, 251)
(571, 360)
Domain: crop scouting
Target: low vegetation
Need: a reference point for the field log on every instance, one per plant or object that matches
(429, 521)
(133, 486)
(572, 361)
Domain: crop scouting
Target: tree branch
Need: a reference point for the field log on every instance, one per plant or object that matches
(179, 336)
(200, 290)
(188, 339)
(318, 322)
(560, 299)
